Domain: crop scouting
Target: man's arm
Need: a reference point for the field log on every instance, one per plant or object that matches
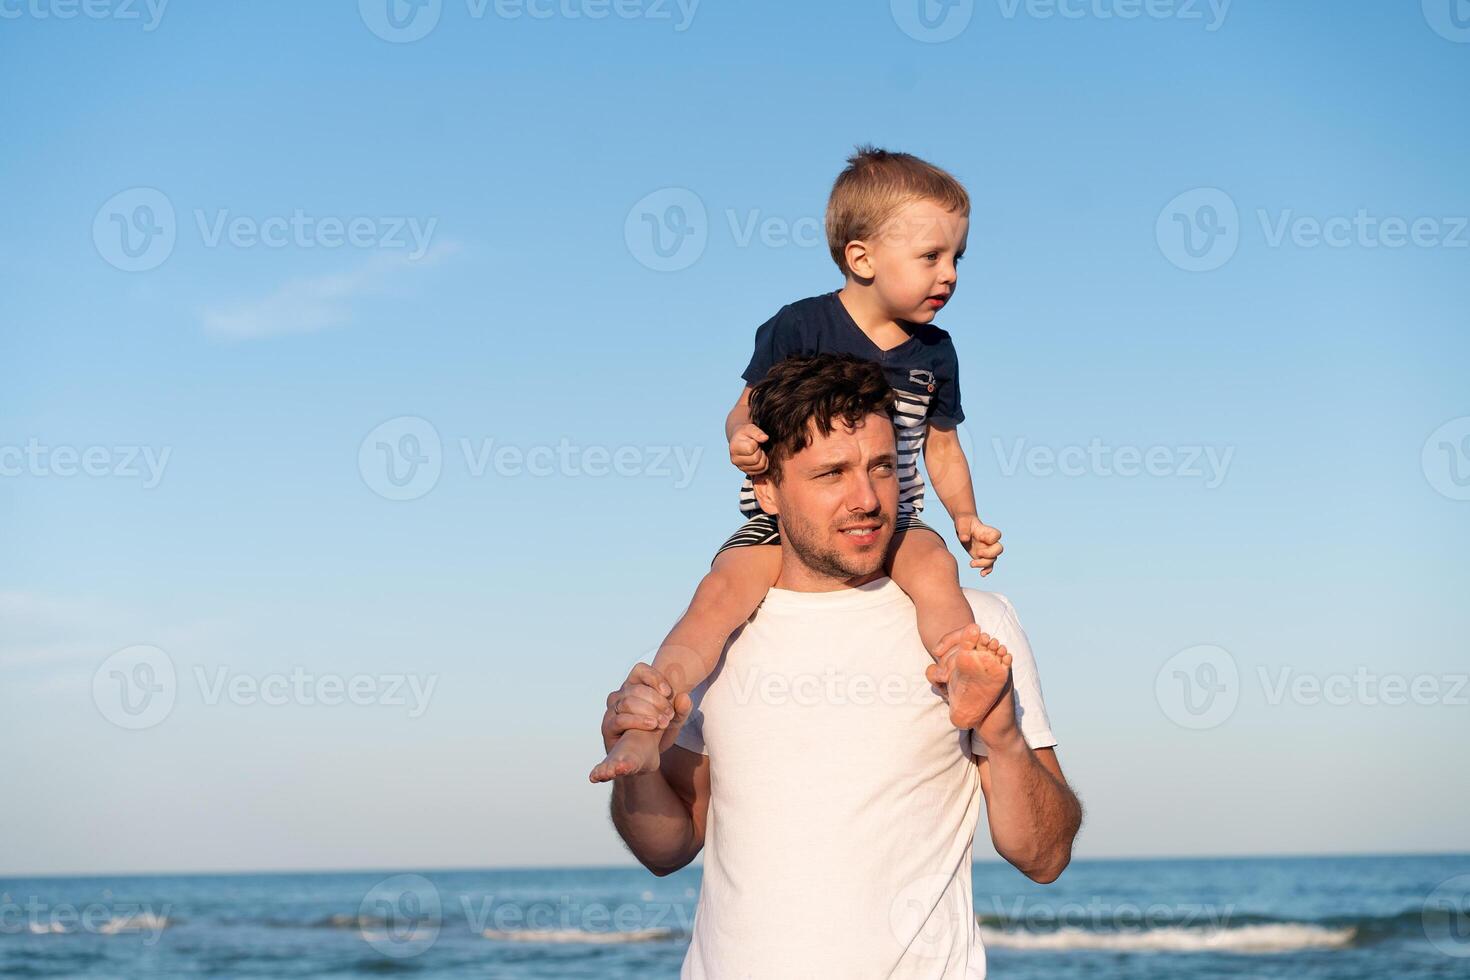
(1034, 816)
(660, 815)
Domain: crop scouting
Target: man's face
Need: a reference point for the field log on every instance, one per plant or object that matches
(837, 498)
(915, 259)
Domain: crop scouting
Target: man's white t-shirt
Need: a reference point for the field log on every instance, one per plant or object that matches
(843, 803)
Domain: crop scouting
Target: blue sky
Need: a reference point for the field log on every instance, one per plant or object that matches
(338, 241)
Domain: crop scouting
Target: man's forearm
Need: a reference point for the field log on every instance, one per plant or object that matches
(654, 822)
(1033, 815)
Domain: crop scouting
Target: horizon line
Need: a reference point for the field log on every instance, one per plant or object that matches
(630, 866)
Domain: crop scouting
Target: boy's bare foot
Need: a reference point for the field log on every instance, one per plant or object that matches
(976, 671)
(633, 753)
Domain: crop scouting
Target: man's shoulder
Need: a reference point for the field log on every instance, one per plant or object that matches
(994, 603)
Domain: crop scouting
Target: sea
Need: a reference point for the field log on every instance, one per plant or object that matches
(1385, 918)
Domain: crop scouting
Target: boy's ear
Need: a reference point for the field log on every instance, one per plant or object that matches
(765, 493)
(859, 259)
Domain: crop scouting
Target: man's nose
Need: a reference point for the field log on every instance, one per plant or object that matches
(862, 494)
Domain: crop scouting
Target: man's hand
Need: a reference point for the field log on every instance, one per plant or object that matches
(981, 540)
(643, 703)
(745, 449)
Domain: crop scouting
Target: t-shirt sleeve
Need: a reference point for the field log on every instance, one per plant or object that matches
(691, 736)
(947, 408)
(775, 340)
(997, 616)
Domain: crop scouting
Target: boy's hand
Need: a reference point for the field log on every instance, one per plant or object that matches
(745, 449)
(981, 540)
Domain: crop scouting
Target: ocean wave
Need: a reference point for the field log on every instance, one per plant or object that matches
(117, 925)
(578, 936)
(1257, 939)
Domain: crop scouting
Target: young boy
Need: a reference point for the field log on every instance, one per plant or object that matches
(896, 227)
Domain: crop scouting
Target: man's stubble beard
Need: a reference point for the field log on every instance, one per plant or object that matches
(805, 538)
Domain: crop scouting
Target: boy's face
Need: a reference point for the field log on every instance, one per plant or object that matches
(913, 260)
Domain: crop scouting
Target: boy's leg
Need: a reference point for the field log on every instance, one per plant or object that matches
(920, 563)
(737, 581)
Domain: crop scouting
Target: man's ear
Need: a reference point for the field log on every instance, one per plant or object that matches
(765, 493)
(859, 259)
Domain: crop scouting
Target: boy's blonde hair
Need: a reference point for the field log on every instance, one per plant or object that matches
(874, 186)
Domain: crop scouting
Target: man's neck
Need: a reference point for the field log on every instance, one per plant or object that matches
(797, 577)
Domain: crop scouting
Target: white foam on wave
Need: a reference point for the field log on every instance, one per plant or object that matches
(135, 922)
(142, 922)
(578, 936)
(1282, 938)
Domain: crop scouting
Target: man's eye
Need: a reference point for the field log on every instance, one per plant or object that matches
(884, 467)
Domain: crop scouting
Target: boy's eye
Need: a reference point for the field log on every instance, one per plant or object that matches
(931, 256)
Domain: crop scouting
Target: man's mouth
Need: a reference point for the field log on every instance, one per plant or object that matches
(862, 534)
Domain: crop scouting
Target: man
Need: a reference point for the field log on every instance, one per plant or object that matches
(836, 788)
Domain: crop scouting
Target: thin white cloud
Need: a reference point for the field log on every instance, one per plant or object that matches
(309, 304)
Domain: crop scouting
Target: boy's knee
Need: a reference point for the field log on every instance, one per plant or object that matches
(717, 589)
(931, 559)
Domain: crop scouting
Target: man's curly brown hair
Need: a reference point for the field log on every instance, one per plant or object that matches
(821, 387)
